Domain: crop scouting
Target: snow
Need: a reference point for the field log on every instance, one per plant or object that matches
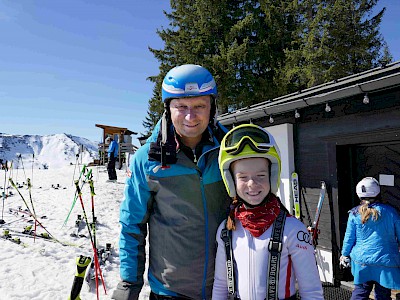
(43, 269)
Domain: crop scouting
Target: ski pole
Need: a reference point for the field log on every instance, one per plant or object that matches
(92, 194)
(16, 177)
(4, 191)
(314, 226)
(33, 162)
(76, 163)
(76, 196)
(33, 208)
(22, 162)
(30, 212)
(96, 260)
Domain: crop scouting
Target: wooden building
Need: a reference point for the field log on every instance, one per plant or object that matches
(338, 132)
(124, 139)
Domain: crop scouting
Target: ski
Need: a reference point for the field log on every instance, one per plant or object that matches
(79, 224)
(103, 255)
(16, 240)
(82, 263)
(314, 226)
(90, 276)
(296, 195)
(5, 193)
(23, 213)
(18, 218)
(28, 220)
(29, 233)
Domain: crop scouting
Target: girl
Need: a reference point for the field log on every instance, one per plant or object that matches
(250, 263)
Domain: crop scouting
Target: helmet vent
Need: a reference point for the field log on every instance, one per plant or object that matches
(363, 189)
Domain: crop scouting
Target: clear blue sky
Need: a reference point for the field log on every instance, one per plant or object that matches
(68, 65)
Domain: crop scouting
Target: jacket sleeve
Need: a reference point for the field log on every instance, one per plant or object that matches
(220, 288)
(350, 236)
(302, 255)
(133, 220)
(397, 226)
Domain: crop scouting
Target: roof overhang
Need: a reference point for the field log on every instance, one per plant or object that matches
(374, 80)
(115, 130)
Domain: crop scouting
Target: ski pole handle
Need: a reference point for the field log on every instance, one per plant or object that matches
(91, 187)
(78, 189)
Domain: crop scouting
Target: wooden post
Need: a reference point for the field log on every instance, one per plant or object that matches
(104, 146)
(120, 140)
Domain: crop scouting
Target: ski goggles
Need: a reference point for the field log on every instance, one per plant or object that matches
(258, 140)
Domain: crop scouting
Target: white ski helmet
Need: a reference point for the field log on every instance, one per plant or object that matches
(368, 187)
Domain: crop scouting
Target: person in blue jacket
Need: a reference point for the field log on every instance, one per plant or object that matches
(174, 195)
(371, 244)
(112, 157)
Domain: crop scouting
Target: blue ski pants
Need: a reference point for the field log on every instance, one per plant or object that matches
(362, 291)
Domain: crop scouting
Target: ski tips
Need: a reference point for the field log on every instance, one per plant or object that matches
(83, 262)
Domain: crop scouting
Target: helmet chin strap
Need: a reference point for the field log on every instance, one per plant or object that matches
(214, 118)
(164, 129)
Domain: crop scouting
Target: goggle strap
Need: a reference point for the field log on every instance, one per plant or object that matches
(245, 142)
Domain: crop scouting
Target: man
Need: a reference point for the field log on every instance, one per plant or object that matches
(176, 189)
(112, 156)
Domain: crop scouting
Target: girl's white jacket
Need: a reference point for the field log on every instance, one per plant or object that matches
(252, 256)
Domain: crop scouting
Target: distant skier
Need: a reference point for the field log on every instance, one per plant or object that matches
(112, 156)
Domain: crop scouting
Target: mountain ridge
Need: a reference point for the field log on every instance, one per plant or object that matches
(46, 151)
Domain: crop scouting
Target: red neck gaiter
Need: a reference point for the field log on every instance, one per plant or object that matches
(258, 219)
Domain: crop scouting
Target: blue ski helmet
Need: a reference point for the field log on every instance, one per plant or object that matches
(188, 81)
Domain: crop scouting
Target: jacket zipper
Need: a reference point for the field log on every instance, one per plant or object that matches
(203, 288)
(252, 292)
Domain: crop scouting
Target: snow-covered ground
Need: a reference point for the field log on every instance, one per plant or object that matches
(43, 269)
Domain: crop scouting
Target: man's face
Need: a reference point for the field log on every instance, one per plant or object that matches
(190, 117)
(251, 177)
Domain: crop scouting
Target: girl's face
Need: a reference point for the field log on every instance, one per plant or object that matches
(251, 177)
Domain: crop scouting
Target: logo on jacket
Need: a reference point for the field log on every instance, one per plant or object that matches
(304, 237)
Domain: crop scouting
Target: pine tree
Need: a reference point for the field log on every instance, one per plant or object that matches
(334, 39)
(155, 108)
(259, 50)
